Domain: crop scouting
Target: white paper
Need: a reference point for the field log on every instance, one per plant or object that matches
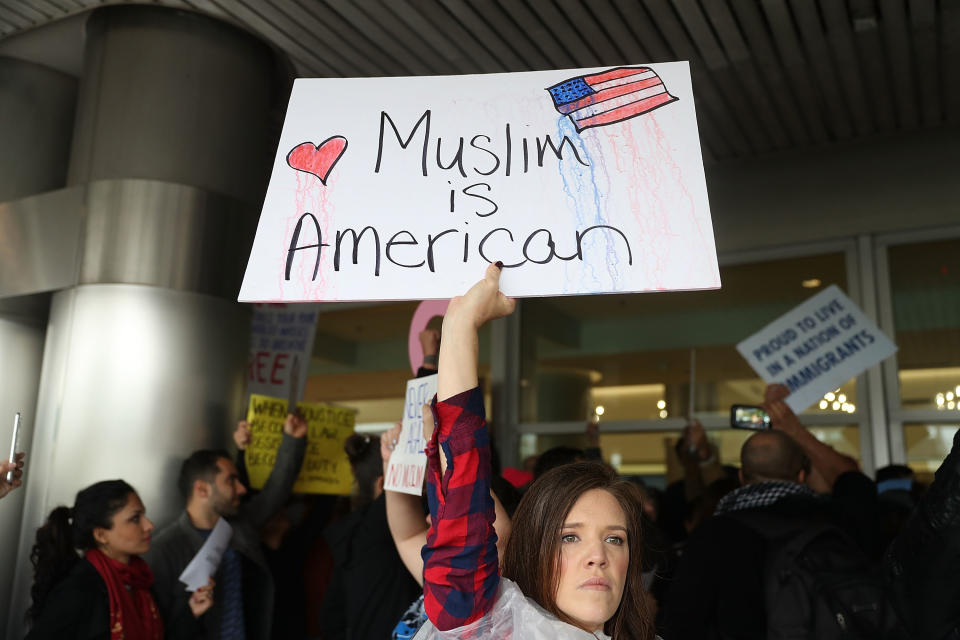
(408, 463)
(205, 564)
(426, 179)
(816, 347)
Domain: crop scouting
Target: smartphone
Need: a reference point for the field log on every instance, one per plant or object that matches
(14, 441)
(745, 416)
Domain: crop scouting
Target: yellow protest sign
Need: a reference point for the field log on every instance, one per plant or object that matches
(326, 468)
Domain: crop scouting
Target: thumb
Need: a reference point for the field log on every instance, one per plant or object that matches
(492, 274)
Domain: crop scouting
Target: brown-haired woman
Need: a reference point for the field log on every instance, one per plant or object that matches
(572, 565)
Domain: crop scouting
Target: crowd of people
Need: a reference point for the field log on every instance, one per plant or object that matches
(796, 542)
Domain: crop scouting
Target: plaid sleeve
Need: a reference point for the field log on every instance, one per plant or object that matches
(460, 568)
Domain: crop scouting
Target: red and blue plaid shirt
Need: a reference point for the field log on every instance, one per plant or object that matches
(461, 573)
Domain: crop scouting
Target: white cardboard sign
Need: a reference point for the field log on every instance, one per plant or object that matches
(580, 181)
(408, 462)
(816, 347)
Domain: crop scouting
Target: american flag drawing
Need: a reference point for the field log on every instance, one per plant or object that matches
(610, 96)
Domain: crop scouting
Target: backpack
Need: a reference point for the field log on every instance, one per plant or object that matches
(819, 585)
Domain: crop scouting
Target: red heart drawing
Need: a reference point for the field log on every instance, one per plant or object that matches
(319, 159)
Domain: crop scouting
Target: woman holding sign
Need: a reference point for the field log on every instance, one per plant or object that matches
(572, 565)
(106, 592)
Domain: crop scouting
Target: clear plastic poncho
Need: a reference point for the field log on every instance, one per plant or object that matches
(514, 616)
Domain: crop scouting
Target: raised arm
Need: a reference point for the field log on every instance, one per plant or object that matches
(277, 489)
(408, 527)
(827, 464)
(461, 572)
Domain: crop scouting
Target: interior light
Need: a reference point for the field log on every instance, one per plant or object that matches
(852, 408)
(824, 404)
(842, 398)
(599, 410)
(949, 395)
(835, 406)
(812, 283)
(957, 390)
(830, 396)
(940, 399)
(663, 413)
(661, 404)
(845, 406)
(951, 405)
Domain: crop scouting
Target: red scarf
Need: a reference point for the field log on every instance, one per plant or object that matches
(133, 613)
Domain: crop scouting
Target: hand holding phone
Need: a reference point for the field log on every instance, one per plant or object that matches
(745, 416)
(14, 445)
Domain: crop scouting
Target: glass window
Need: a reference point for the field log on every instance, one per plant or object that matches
(927, 446)
(360, 360)
(633, 354)
(925, 291)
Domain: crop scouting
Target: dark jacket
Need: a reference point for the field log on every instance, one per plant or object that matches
(923, 563)
(179, 542)
(371, 588)
(78, 608)
(718, 590)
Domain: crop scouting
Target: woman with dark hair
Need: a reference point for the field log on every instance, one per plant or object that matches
(571, 568)
(106, 592)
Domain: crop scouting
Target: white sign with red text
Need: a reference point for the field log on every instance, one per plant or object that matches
(279, 335)
(408, 463)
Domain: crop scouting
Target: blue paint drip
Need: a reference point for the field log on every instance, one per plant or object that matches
(580, 181)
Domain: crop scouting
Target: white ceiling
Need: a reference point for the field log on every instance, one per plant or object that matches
(769, 74)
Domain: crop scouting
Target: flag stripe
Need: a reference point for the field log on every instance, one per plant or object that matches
(616, 103)
(600, 86)
(614, 73)
(609, 94)
(622, 113)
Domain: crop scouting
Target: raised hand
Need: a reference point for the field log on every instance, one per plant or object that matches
(482, 303)
(388, 442)
(242, 435)
(295, 425)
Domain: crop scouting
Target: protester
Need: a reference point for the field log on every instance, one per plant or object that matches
(923, 562)
(729, 581)
(210, 485)
(580, 513)
(294, 548)
(370, 588)
(6, 467)
(107, 593)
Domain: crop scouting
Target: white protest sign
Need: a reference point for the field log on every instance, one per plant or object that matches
(280, 334)
(816, 347)
(408, 462)
(580, 181)
(204, 565)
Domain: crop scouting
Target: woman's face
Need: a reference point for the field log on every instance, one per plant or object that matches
(130, 533)
(594, 555)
